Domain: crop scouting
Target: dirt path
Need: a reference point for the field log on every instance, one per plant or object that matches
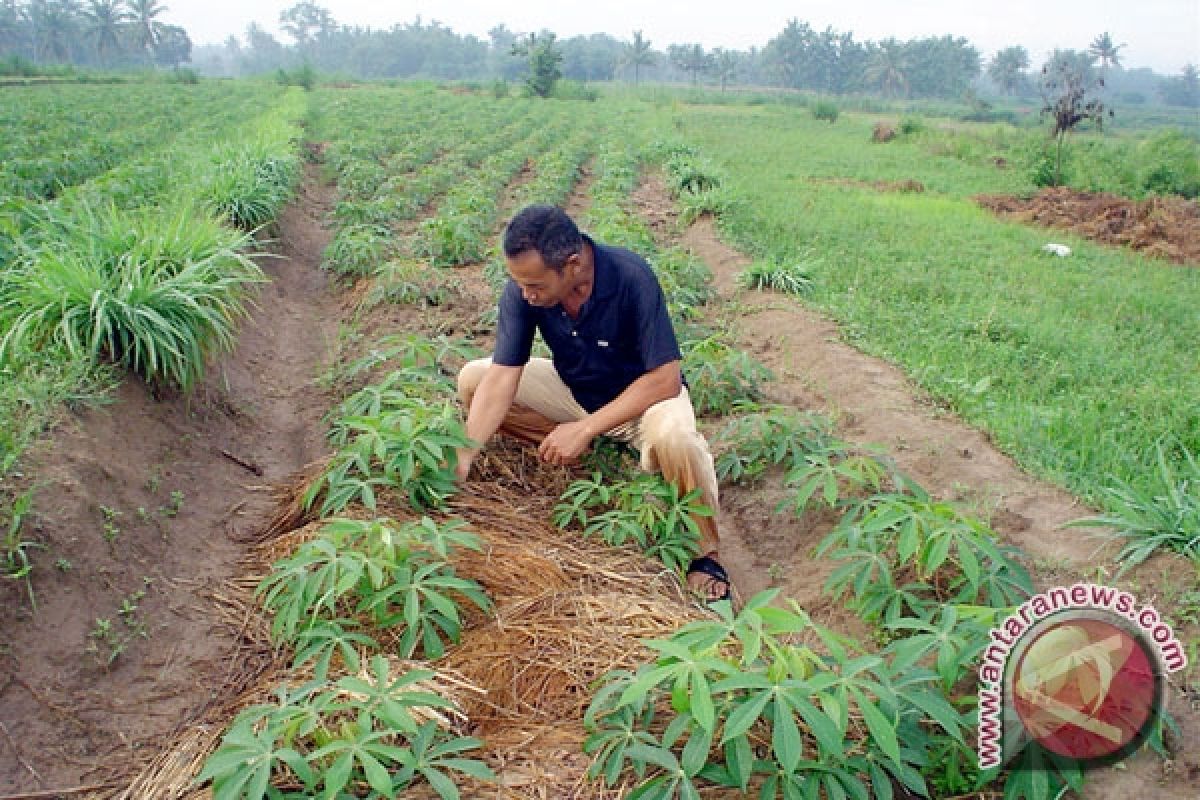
(140, 505)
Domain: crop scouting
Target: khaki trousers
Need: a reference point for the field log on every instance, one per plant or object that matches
(665, 434)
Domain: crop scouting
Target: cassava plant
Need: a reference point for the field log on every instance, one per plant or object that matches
(721, 378)
(376, 731)
(733, 702)
(412, 447)
(397, 575)
(768, 436)
(645, 511)
(943, 554)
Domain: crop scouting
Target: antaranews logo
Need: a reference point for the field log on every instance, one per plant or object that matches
(1076, 670)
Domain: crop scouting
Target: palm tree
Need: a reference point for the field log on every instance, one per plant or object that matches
(54, 27)
(104, 19)
(146, 26)
(886, 68)
(1007, 69)
(1102, 47)
(638, 54)
(725, 65)
(11, 25)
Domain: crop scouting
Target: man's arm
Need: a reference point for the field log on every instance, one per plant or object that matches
(568, 441)
(493, 398)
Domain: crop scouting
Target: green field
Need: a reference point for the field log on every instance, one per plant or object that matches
(131, 247)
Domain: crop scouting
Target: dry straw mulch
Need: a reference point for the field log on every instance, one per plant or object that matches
(567, 610)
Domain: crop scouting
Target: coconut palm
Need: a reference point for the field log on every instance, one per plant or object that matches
(886, 68)
(11, 25)
(1102, 48)
(1007, 69)
(54, 24)
(144, 15)
(103, 20)
(638, 54)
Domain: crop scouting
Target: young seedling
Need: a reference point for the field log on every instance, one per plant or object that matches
(14, 560)
(110, 529)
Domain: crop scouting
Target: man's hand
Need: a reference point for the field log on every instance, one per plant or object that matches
(462, 467)
(566, 443)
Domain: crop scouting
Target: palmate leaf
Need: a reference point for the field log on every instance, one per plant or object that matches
(322, 640)
(432, 754)
(244, 763)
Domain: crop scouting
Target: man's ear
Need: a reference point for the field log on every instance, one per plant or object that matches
(574, 263)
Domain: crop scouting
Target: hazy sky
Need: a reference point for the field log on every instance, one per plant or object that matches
(1162, 34)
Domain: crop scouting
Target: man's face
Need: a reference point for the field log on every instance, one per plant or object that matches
(540, 285)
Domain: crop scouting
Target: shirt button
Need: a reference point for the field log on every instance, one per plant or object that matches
(574, 333)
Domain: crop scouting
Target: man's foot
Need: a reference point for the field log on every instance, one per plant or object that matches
(708, 579)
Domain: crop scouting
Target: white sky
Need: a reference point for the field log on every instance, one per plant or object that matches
(1162, 34)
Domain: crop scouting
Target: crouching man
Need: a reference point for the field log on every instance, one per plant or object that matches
(615, 367)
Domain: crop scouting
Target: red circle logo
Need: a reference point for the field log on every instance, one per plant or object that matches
(1085, 688)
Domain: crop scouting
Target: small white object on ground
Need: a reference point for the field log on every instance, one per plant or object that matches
(1060, 250)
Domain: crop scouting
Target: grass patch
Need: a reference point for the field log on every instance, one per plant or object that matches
(1077, 367)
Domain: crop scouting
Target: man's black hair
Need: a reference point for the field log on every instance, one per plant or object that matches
(546, 229)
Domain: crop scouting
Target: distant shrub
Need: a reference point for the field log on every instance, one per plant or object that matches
(826, 110)
(911, 125)
(990, 115)
(574, 90)
(303, 76)
(500, 89)
(184, 75)
(16, 65)
(1171, 164)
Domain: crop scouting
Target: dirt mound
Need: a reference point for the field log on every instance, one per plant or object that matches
(1162, 227)
(883, 132)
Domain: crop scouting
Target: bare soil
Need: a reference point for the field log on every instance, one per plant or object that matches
(79, 707)
(1161, 227)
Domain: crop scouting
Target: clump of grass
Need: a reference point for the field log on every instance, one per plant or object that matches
(156, 291)
(250, 182)
(1163, 515)
(791, 277)
(825, 110)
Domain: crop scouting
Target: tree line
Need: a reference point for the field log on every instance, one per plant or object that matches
(130, 32)
(92, 33)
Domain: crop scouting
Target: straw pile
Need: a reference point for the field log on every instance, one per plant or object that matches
(567, 610)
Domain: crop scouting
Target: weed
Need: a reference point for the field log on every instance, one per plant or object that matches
(63, 565)
(110, 530)
(154, 481)
(16, 564)
(790, 277)
(1165, 514)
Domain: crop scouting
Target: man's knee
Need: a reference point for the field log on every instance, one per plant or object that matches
(469, 378)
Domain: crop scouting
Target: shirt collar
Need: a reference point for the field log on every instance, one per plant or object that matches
(604, 277)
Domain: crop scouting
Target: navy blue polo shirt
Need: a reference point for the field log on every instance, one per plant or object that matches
(623, 330)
